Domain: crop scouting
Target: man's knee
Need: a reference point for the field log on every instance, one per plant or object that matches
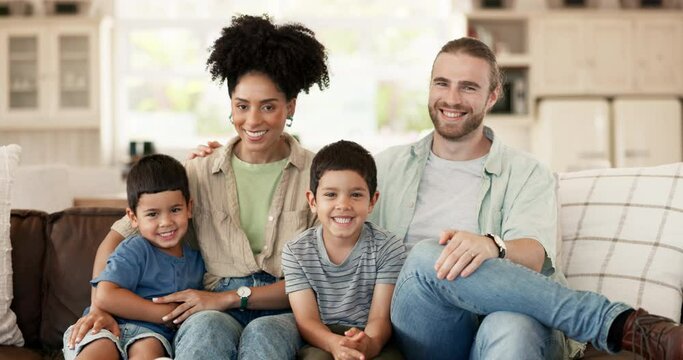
(422, 258)
(509, 335)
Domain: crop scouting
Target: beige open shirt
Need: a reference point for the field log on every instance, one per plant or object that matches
(216, 215)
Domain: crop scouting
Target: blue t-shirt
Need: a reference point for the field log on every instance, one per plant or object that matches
(140, 267)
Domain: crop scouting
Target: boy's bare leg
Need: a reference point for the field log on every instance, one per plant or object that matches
(104, 349)
(147, 348)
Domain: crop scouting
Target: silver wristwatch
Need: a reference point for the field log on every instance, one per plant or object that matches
(502, 249)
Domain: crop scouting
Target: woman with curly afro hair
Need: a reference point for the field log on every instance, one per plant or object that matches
(249, 199)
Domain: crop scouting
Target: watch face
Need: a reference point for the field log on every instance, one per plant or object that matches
(243, 291)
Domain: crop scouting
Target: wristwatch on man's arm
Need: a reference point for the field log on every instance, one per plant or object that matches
(502, 249)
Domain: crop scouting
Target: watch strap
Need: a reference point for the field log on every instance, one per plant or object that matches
(502, 251)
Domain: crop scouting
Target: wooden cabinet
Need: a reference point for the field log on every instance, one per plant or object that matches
(574, 134)
(611, 54)
(659, 55)
(50, 73)
(579, 56)
(647, 131)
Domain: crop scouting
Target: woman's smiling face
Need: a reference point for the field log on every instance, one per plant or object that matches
(259, 113)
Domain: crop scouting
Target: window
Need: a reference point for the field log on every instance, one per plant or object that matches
(380, 55)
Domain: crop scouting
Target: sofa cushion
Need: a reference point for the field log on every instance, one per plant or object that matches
(27, 232)
(9, 332)
(73, 237)
(622, 235)
(18, 353)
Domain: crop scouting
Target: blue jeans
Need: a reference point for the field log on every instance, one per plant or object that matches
(234, 334)
(439, 319)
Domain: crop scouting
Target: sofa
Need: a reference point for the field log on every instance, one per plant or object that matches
(52, 257)
(610, 220)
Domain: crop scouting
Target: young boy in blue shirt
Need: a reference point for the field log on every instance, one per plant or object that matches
(152, 264)
(340, 275)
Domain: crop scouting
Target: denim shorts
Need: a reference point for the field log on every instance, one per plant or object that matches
(130, 333)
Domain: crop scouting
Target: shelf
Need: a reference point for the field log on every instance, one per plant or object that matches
(23, 57)
(513, 60)
(74, 55)
(75, 89)
(523, 120)
(498, 14)
(23, 91)
(29, 125)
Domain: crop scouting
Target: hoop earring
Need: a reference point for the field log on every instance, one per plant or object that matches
(230, 118)
(289, 121)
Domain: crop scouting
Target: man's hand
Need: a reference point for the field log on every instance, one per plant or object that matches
(204, 150)
(96, 320)
(463, 254)
(191, 301)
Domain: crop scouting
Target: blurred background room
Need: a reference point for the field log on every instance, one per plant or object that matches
(86, 86)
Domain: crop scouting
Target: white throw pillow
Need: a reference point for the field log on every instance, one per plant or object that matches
(9, 332)
(622, 235)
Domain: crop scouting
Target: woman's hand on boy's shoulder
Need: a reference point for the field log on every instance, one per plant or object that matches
(203, 150)
(191, 301)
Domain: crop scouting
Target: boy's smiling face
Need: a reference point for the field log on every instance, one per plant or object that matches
(162, 218)
(342, 203)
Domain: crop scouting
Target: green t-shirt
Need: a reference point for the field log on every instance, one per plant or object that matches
(255, 188)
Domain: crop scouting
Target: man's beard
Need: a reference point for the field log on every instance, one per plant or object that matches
(459, 130)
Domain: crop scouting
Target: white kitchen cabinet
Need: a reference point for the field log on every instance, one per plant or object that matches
(625, 53)
(49, 72)
(573, 134)
(659, 55)
(647, 132)
(574, 55)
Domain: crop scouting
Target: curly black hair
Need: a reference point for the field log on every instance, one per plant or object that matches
(288, 54)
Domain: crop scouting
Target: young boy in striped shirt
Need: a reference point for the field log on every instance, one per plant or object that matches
(340, 275)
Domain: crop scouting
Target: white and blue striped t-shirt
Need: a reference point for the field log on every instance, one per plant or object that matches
(344, 291)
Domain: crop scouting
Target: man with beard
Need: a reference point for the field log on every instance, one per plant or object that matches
(488, 288)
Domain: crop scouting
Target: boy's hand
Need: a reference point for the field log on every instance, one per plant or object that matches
(341, 352)
(191, 301)
(203, 150)
(96, 320)
(357, 339)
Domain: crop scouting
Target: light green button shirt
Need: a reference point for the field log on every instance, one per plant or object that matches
(516, 199)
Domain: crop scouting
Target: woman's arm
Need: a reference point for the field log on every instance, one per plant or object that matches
(96, 319)
(268, 297)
